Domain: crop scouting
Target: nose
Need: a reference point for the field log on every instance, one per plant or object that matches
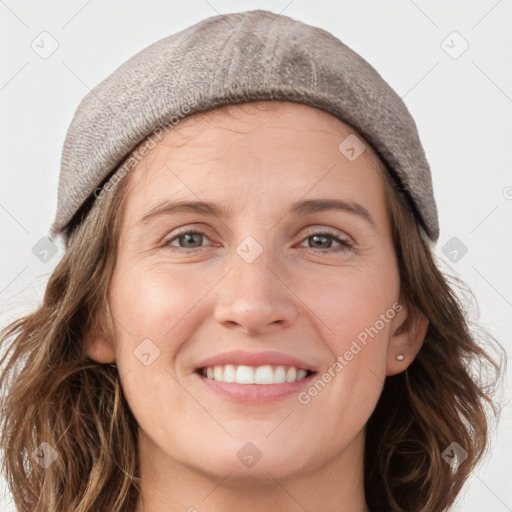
(256, 297)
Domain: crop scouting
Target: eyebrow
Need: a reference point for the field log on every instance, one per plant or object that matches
(299, 208)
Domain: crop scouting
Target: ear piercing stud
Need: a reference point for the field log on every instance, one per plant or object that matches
(400, 357)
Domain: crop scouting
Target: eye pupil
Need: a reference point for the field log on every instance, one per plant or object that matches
(189, 238)
(326, 244)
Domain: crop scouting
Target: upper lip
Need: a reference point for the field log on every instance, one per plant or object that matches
(241, 357)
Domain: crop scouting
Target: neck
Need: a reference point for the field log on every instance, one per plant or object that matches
(168, 485)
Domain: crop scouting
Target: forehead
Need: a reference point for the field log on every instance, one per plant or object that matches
(260, 150)
(243, 118)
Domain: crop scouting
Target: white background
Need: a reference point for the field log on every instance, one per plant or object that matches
(462, 106)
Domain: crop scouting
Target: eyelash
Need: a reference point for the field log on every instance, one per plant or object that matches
(345, 245)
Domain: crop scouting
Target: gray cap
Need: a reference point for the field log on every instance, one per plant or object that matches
(234, 58)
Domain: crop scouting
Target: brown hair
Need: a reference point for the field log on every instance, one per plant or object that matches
(442, 397)
(52, 392)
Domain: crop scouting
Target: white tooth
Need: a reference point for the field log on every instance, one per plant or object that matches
(301, 374)
(217, 372)
(280, 375)
(264, 375)
(229, 373)
(291, 374)
(245, 375)
(242, 374)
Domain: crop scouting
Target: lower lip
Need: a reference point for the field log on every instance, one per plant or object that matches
(256, 393)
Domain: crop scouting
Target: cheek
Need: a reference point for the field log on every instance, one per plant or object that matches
(156, 303)
(155, 313)
(355, 311)
(354, 305)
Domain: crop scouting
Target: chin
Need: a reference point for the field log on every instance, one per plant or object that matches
(245, 460)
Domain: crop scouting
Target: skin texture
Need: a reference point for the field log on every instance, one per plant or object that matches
(294, 298)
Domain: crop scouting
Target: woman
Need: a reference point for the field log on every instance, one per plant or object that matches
(306, 354)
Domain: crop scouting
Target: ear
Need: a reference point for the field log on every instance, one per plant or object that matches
(99, 346)
(408, 333)
(101, 350)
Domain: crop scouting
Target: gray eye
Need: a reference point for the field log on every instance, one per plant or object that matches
(321, 241)
(189, 242)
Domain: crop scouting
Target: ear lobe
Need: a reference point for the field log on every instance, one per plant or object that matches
(406, 341)
(99, 347)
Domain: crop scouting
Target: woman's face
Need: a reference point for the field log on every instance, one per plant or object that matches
(295, 270)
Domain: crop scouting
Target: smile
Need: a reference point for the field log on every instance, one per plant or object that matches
(242, 374)
(256, 377)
